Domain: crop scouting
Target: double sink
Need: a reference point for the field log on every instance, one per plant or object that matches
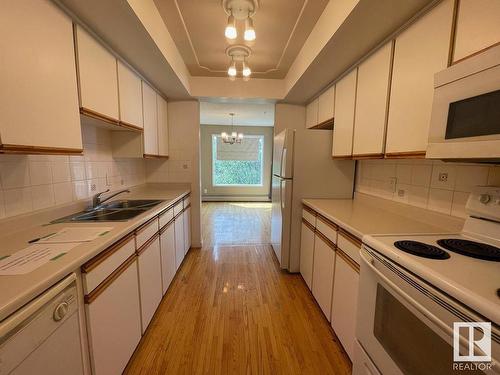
(119, 210)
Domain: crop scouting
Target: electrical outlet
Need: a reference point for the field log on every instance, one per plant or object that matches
(443, 176)
(392, 184)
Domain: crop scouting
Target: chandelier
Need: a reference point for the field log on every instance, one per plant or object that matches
(234, 137)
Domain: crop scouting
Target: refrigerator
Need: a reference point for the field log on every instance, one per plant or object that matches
(302, 168)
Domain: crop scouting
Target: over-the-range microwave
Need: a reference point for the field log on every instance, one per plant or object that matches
(465, 120)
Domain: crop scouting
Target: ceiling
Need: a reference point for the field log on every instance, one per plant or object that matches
(245, 114)
(282, 27)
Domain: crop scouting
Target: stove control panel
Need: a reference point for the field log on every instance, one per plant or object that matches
(484, 202)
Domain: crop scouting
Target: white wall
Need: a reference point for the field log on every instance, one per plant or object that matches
(183, 163)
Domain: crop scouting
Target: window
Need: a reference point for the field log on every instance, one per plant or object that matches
(238, 164)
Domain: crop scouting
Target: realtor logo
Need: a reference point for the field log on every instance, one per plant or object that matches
(477, 337)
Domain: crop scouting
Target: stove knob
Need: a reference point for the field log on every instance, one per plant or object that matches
(484, 198)
(60, 311)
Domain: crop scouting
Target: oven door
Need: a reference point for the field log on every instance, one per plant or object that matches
(406, 326)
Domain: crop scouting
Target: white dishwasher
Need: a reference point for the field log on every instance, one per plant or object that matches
(44, 337)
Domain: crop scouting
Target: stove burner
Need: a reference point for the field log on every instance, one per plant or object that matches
(422, 249)
(472, 249)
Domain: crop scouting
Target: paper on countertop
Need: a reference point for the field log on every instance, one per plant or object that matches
(32, 257)
(72, 234)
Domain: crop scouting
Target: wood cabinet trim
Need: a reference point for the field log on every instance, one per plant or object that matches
(350, 262)
(131, 127)
(89, 298)
(475, 53)
(350, 237)
(342, 157)
(105, 254)
(308, 225)
(99, 116)
(328, 222)
(6, 148)
(326, 240)
(405, 155)
(153, 156)
(325, 125)
(166, 226)
(146, 244)
(368, 156)
(145, 225)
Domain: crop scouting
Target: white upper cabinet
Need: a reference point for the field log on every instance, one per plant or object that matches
(312, 114)
(150, 115)
(478, 27)
(419, 52)
(130, 97)
(98, 77)
(162, 126)
(39, 94)
(345, 102)
(372, 102)
(326, 105)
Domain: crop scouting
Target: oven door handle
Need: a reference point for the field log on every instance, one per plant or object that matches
(369, 261)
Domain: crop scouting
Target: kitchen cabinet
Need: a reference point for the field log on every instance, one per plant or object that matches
(130, 97)
(187, 228)
(372, 100)
(98, 80)
(162, 126)
(179, 235)
(307, 252)
(150, 114)
(150, 279)
(326, 108)
(322, 277)
(167, 247)
(312, 114)
(419, 52)
(471, 35)
(345, 101)
(345, 301)
(39, 95)
(114, 319)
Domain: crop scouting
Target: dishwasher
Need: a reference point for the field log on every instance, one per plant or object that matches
(44, 336)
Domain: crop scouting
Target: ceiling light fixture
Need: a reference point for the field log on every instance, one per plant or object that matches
(231, 72)
(238, 54)
(246, 70)
(249, 30)
(231, 32)
(234, 137)
(241, 10)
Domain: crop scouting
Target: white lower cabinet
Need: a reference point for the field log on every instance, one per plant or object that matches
(114, 320)
(167, 246)
(187, 229)
(179, 240)
(345, 302)
(322, 280)
(307, 253)
(362, 364)
(150, 279)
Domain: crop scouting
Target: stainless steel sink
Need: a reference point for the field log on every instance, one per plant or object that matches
(121, 210)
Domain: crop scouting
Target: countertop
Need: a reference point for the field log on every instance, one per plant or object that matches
(366, 215)
(15, 291)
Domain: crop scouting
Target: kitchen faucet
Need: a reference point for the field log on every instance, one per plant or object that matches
(97, 201)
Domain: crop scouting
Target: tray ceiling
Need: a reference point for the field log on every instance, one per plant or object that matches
(282, 27)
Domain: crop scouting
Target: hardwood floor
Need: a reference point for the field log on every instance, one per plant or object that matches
(231, 310)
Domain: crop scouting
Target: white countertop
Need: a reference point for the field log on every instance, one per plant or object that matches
(365, 215)
(15, 291)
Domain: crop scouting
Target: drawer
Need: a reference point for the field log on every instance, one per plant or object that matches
(145, 232)
(349, 244)
(166, 216)
(309, 216)
(96, 270)
(187, 200)
(178, 208)
(327, 228)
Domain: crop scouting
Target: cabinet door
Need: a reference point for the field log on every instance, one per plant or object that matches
(326, 105)
(477, 28)
(312, 114)
(307, 253)
(345, 303)
(322, 282)
(345, 100)
(150, 115)
(150, 281)
(167, 246)
(162, 126)
(114, 323)
(372, 97)
(419, 52)
(39, 94)
(179, 240)
(187, 229)
(97, 76)
(130, 95)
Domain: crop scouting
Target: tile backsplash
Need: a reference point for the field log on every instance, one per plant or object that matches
(33, 182)
(435, 185)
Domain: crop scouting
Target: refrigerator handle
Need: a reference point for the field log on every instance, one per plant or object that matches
(283, 163)
(282, 201)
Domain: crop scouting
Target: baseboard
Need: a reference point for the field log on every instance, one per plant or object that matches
(222, 198)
